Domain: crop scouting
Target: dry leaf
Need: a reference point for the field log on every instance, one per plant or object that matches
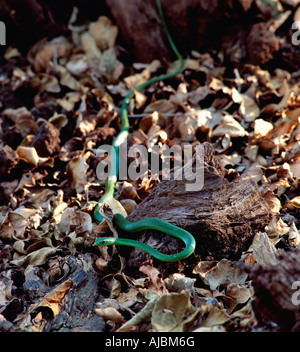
(110, 313)
(155, 276)
(261, 128)
(188, 123)
(178, 282)
(263, 249)
(216, 316)
(248, 108)
(104, 33)
(163, 106)
(254, 172)
(90, 48)
(293, 236)
(170, 311)
(24, 120)
(139, 78)
(75, 219)
(38, 257)
(219, 273)
(45, 54)
(52, 299)
(142, 316)
(229, 126)
(77, 168)
(272, 201)
(294, 204)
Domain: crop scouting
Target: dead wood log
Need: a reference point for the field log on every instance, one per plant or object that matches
(223, 216)
(276, 288)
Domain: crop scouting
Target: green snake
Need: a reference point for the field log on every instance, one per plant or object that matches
(149, 223)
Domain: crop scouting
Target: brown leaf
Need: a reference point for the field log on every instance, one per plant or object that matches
(110, 313)
(77, 168)
(155, 276)
(53, 298)
(38, 257)
(104, 33)
(219, 273)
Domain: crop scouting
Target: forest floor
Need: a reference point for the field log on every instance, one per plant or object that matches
(59, 104)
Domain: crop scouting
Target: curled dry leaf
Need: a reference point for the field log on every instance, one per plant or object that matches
(272, 201)
(45, 52)
(170, 312)
(263, 249)
(129, 205)
(53, 298)
(294, 204)
(248, 108)
(139, 78)
(178, 282)
(38, 257)
(229, 126)
(75, 219)
(104, 33)
(155, 277)
(293, 236)
(144, 315)
(77, 168)
(224, 272)
(110, 313)
(90, 48)
(30, 156)
(34, 319)
(261, 128)
(188, 123)
(24, 120)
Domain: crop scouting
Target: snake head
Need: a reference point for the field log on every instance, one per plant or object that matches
(104, 241)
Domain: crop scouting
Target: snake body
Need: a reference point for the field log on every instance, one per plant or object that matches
(149, 223)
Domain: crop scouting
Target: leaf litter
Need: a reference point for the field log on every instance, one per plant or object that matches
(49, 184)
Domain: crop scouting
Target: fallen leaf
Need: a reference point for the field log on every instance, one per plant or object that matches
(155, 277)
(294, 204)
(179, 282)
(139, 78)
(248, 108)
(219, 273)
(104, 33)
(52, 299)
(144, 315)
(45, 52)
(229, 126)
(77, 168)
(263, 249)
(254, 172)
(38, 257)
(24, 120)
(110, 313)
(170, 311)
(261, 128)
(293, 236)
(272, 201)
(215, 317)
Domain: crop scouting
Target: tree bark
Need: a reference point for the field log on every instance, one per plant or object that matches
(191, 24)
(223, 216)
